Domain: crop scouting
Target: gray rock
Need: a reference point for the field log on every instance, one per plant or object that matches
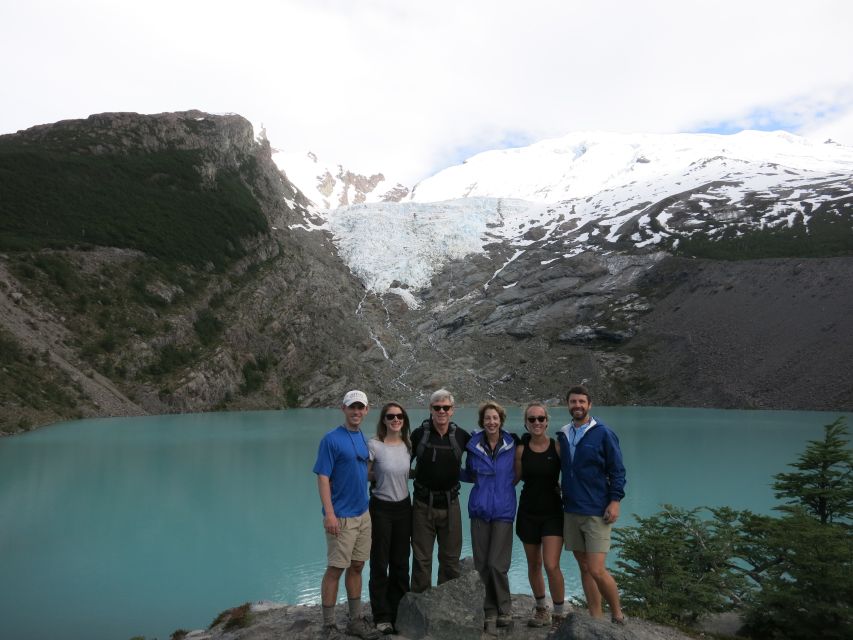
(451, 611)
(578, 335)
(579, 626)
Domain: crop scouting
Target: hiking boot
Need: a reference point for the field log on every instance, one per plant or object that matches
(564, 612)
(360, 629)
(330, 632)
(385, 628)
(504, 620)
(541, 617)
(491, 626)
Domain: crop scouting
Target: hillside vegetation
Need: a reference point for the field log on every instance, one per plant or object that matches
(828, 234)
(154, 202)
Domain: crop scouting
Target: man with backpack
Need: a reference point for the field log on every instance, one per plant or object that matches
(437, 447)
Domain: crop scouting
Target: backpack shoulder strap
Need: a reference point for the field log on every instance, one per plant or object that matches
(422, 442)
(454, 443)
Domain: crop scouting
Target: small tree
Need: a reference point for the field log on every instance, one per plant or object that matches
(823, 482)
(674, 566)
(808, 591)
(807, 576)
(794, 574)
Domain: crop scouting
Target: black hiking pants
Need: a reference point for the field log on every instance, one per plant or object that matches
(389, 556)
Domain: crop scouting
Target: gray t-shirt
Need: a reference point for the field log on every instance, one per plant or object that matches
(391, 469)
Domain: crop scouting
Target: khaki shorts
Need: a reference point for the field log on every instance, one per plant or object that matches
(586, 533)
(351, 544)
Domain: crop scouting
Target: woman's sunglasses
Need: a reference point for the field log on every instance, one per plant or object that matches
(533, 419)
(393, 416)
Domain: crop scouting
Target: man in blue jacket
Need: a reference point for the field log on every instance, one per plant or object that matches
(593, 484)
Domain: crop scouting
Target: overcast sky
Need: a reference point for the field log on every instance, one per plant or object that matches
(409, 87)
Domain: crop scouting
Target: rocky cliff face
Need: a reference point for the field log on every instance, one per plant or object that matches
(119, 331)
(647, 329)
(331, 186)
(164, 263)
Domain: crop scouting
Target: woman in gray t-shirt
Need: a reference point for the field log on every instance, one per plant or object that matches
(390, 514)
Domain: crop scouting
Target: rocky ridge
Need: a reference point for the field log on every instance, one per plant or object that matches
(330, 187)
(451, 611)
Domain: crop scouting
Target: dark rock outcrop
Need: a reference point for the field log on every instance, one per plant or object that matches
(451, 611)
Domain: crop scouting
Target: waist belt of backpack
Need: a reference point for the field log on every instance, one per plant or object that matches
(422, 492)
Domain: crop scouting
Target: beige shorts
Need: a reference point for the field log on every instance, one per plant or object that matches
(586, 533)
(351, 544)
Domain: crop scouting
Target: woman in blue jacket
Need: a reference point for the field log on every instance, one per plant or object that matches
(490, 465)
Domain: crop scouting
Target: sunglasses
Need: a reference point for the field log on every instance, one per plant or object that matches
(393, 416)
(533, 419)
(356, 405)
(442, 407)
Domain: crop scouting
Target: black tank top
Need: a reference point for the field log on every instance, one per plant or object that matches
(540, 494)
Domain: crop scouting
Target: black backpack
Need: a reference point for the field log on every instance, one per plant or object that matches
(425, 442)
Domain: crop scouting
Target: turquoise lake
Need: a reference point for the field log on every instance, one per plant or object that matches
(115, 528)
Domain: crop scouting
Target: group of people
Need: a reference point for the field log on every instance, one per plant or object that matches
(571, 493)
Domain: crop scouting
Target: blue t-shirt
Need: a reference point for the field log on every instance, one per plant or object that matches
(342, 458)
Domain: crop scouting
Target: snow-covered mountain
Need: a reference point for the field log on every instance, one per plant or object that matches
(584, 164)
(595, 192)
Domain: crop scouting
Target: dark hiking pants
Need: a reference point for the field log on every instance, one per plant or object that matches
(491, 543)
(389, 557)
(428, 524)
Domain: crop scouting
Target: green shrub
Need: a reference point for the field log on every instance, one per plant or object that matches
(674, 566)
(807, 591)
(171, 357)
(10, 351)
(238, 617)
(58, 270)
(291, 396)
(208, 327)
(828, 234)
(254, 374)
(792, 576)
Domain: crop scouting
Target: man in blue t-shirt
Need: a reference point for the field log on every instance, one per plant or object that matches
(341, 470)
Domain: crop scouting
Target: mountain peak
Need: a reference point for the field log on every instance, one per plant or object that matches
(330, 187)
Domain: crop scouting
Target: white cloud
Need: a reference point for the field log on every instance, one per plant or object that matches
(404, 87)
(838, 130)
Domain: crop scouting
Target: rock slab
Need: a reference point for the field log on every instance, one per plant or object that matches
(451, 611)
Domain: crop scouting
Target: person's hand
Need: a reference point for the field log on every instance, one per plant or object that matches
(611, 513)
(331, 524)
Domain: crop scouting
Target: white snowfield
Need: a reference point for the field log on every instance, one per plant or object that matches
(585, 163)
(645, 189)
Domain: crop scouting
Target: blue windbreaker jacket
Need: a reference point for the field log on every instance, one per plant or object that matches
(493, 495)
(595, 476)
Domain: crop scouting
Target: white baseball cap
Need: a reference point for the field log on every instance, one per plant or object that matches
(355, 396)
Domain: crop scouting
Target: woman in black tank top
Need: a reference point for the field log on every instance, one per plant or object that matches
(539, 523)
